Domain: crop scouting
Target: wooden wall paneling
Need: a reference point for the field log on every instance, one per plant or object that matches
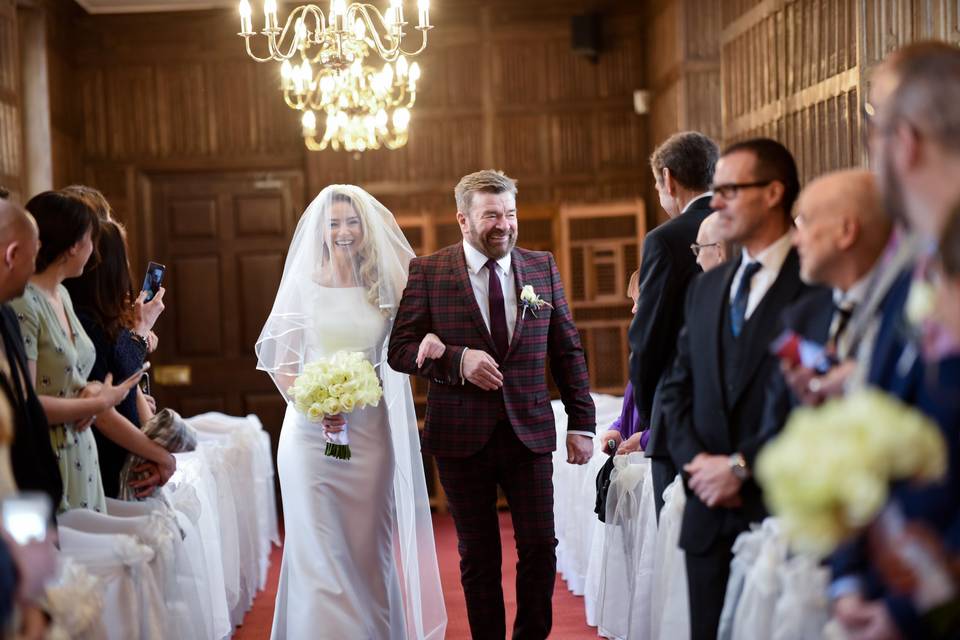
(66, 114)
(11, 128)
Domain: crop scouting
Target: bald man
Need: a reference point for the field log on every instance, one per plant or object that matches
(841, 233)
(711, 249)
(34, 464)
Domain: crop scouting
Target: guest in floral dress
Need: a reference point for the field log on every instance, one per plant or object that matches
(60, 354)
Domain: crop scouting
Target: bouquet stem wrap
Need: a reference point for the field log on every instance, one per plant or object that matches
(338, 444)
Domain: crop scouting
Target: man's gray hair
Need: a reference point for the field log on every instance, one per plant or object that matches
(691, 157)
(488, 181)
(928, 91)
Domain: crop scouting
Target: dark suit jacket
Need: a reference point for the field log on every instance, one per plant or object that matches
(34, 463)
(809, 317)
(666, 269)
(461, 418)
(897, 367)
(696, 397)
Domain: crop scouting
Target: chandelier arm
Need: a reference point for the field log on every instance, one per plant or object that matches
(423, 45)
(253, 55)
(364, 9)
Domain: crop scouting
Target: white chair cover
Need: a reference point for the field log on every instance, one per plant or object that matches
(74, 601)
(133, 605)
(761, 587)
(803, 608)
(669, 609)
(591, 587)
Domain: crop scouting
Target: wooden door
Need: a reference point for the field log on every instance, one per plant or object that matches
(223, 238)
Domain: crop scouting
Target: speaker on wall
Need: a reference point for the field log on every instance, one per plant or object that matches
(586, 32)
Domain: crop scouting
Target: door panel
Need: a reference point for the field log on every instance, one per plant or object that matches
(223, 237)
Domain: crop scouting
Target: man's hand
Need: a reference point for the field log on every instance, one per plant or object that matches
(430, 347)
(798, 379)
(579, 448)
(712, 479)
(606, 437)
(630, 445)
(864, 620)
(481, 369)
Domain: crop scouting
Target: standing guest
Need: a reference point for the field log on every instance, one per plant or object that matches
(34, 463)
(842, 231)
(682, 168)
(914, 141)
(59, 353)
(118, 325)
(713, 398)
(710, 249)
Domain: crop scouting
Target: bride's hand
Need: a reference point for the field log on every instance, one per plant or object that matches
(430, 347)
(333, 424)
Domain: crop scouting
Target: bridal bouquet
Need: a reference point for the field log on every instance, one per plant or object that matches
(338, 384)
(827, 474)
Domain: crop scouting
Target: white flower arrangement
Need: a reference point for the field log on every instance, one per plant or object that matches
(339, 384)
(530, 300)
(921, 302)
(827, 474)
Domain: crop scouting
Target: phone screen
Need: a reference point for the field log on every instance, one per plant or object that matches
(153, 279)
(145, 384)
(25, 516)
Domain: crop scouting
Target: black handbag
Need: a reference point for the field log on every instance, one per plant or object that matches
(603, 486)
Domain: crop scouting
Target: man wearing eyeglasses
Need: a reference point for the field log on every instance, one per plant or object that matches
(713, 398)
(682, 168)
(710, 250)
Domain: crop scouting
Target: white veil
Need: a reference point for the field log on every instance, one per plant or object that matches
(379, 264)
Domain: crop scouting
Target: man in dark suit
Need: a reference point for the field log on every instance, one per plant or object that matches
(713, 397)
(682, 168)
(842, 231)
(34, 463)
(466, 325)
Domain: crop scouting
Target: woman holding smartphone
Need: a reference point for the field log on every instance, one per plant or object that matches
(60, 354)
(119, 323)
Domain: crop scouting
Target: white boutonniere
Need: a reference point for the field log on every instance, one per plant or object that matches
(921, 303)
(530, 300)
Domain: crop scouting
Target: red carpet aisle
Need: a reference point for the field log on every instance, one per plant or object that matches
(569, 622)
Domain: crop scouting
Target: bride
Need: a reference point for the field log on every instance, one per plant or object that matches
(359, 559)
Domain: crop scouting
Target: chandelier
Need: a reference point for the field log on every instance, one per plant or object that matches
(338, 38)
(365, 108)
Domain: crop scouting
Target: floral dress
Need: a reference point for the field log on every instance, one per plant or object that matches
(63, 364)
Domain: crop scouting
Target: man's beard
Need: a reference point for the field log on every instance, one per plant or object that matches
(492, 250)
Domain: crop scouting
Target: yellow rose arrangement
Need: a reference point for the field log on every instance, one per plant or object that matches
(827, 475)
(339, 384)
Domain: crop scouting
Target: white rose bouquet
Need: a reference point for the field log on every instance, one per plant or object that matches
(827, 475)
(338, 384)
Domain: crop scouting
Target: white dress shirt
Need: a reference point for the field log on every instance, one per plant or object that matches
(849, 300)
(771, 260)
(480, 280)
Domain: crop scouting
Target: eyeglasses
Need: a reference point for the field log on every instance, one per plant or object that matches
(730, 190)
(697, 248)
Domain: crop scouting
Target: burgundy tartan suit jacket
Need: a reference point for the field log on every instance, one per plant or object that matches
(461, 417)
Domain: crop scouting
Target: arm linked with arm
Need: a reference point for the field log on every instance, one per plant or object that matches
(413, 321)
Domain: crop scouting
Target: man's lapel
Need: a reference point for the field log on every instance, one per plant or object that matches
(470, 299)
(519, 277)
(765, 321)
(715, 300)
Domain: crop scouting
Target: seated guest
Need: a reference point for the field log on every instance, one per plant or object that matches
(118, 326)
(713, 396)
(34, 463)
(682, 169)
(59, 353)
(710, 249)
(842, 231)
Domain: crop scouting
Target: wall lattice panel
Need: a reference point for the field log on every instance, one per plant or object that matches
(11, 145)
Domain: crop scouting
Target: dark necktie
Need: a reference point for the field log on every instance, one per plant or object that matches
(840, 322)
(738, 308)
(498, 315)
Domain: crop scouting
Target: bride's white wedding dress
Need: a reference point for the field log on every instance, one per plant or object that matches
(339, 575)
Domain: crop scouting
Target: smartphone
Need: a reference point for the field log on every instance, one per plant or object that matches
(153, 279)
(145, 384)
(799, 351)
(25, 516)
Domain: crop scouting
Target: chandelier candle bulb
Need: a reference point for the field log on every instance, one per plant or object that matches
(270, 15)
(424, 7)
(246, 18)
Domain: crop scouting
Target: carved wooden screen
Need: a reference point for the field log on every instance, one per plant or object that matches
(600, 247)
(11, 145)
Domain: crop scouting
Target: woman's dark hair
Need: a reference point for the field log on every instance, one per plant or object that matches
(950, 243)
(62, 221)
(105, 290)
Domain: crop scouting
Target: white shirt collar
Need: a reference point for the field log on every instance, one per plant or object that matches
(856, 294)
(705, 194)
(477, 260)
(773, 256)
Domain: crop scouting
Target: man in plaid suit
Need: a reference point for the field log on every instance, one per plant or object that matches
(464, 325)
